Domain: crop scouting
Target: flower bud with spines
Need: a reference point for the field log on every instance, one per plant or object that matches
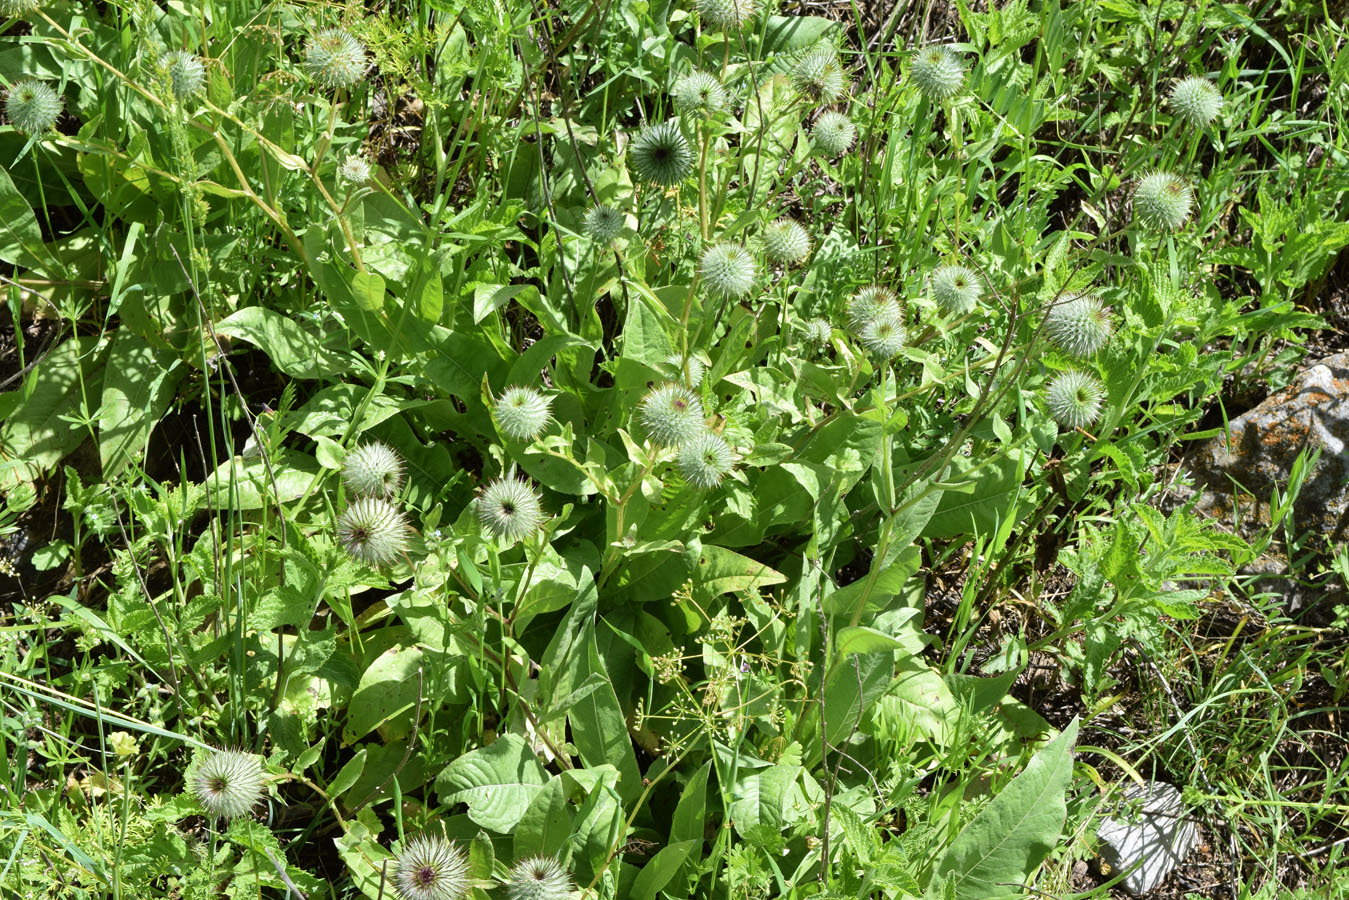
(538, 878)
(728, 270)
(871, 303)
(817, 333)
(335, 59)
(660, 154)
(373, 531)
(883, 336)
(695, 369)
(937, 72)
(522, 412)
(1162, 201)
(705, 460)
(1196, 100)
(227, 783)
(32, 106)
(1079, 325)
(726, 15)
(1074, 398)
(833, 134)
(509, 508)
(431, 868)
(672, 415)
(956, 289)
(786, 242)
(373, 469)
(13, 9)
(698, 91)
(603, 224)
(819, 76)
(355, 169)
(187, 73)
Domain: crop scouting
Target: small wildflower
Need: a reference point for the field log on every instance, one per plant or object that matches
(355, 169)
(1079, 325)
(373, 531)
(509, 508)
(431, 868)
(698, 91)
(819, 76)
(1196, 100)
(728, 270)
(1074, 398)
(705, 460)
(956, 289)
(786, 241)
(373, 470)
(1162, 201)
(603, 224)
(538, 878)
(833, 134)
(523, 412)
(187, 73)
(661, 155)
(672, 415)
(937, 72)
(725, 14)
(32, 106)
(335, 59)
(227, 783)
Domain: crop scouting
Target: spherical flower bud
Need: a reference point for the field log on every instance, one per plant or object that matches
(817, 332)
(725, 14)
(883, 336)
(603, 224)
(522, 413)
(728, 270)
(431, 868)
(227, 783)
(819, 76)
(187, 73)
(786, 242)
(509, 509)
(956, 289)
(335, 59)
(1196, 100)
(1162, 201)
(538, 878)
(698, 90)
(355, 169)
(704, 460)
(32, 106)
(833, 134)
(661, 155)
(1074, 398)
(937, 72)
(672, 415)
(1079, 325)
(695, 368)
(373, 531)
(373, 470)
(12, 9)
(871, 303)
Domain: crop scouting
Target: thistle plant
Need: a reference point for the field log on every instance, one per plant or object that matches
(883, 336)
(355, 169)
(672, 415)
(660, 154)
(698, 91)
(819, 76)
(431, 868)
(695, 368)
(937, 72)
(833, 134)
(956, 289)
(726, 15)
(871, 303)
(227, 783)
(538, 878)
(187, 73)
(12, 9)
(509, 509)
(522, 413)
(373, 531)
(728, 270)
(32, 106)
(705, 460)
(1074, 398)
(373, 470)
(1196, 100)
(1079, 325)
(786, 242)
(817, 333)
(335, 59)
(1162, 201)
(603, 224)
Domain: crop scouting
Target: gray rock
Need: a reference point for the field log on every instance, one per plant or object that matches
(1151, 831)
(1261, 446)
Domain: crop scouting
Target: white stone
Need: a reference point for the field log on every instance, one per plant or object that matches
(1160, 837)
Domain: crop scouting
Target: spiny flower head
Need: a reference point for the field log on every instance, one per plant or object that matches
(523, 412)
(538, 878)
(431, 868)
(871, 303)
(355, 169)
(603, 224)
(883, 336)
(1162, 201)
(227, 783)
(705, 460)
(937, 72)
(698, 90)
(661, 155)
(817, 332)
(187, 73)
(12, 9)
(1196, 100)
(509, 508)
(833, 134)
(819, 75)
(786, 241)
(727, 15)
(335, 59)
(956, 289)
(728, 270)
(695, 368)
(373, 470)
(1074, 398)
(32, 106)
(373, 531)
(672, 415)
(1079, 325)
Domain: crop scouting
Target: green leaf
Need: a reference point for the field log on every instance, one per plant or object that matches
(1009, 838)
(987, 494)
(138, 387)
(34, 438)
(918, 705)
(690, 815)
(862, 639)
(722, 571)
(546, 824)
(498, 782)
(784, 33)
(388, 688)
(20, 235)
(658, 870)
(598, 726)
(290, 347)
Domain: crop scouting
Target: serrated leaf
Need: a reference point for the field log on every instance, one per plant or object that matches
(498, 782)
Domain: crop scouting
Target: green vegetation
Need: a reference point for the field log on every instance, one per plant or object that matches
(647, 448)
